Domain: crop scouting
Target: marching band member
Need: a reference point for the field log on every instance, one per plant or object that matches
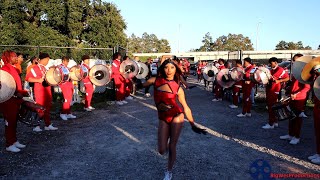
(10, 108)
(247, 85)
(171, 116)
(199, 71)
(149, 65)
(17, 65)
(218, 90)
(279, 75)
(128, 82)
(87, 85)
(316, 117)
(42, 91)
(236, 89)
(119, 80)
(67, 92)
(298, 92)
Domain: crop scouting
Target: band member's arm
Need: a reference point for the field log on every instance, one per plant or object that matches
(304, 90)
(32, 76)
(149, 82)
(164, 57)
(282, 80)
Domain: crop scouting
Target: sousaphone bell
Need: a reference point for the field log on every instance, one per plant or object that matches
(129, 69)
(209, 72)
(99, 75)
(298, 66)
(307, 75)
(7, 86)
(236, 73)
(143, 70)
(224, 78)
(260, 75)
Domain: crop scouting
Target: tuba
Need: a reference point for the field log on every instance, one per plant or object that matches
(129, 69)
(210, 72)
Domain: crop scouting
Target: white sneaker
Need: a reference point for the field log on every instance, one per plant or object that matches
(276, 124)
(316, 160)
(267, 126)
(64, 117)
(241, 115)
(37, 129)
(50, 128)
(294, 141)
(167, 175)
(87, 109)
(119, 103)
(71, 116)
(302, 114)
(232, 106)
(92, 108)
(129, 98)
(216, 100)
(248, 114)
(286, 137)
(19, 145)
(124, 102)
(314, 156)
(147, 95)
(13, 148)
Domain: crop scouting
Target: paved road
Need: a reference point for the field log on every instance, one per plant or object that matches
(120, 143)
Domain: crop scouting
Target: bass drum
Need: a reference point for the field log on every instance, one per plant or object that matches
(7, 86)
(57, 75)
(78, 72)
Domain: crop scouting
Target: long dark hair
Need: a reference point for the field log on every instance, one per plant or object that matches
(162, 73)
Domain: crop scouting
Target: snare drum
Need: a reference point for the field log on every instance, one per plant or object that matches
(283, 111)
(79, 72)
(57, 75)
(30, 113)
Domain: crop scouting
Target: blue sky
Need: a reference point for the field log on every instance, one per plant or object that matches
(274, 20)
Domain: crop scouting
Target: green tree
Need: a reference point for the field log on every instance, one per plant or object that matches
(231, 42)
(80, 23)
(283, 45)
(148, 43)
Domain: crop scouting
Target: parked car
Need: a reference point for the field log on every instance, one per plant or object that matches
(154, 67)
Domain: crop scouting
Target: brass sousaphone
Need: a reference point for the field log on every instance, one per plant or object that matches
(210, 72)
(224, 78)
(298, 66)
(129, 69)
(143, 70)
(99, 75)
(7, 86)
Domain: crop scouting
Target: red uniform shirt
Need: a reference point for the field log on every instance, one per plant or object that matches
(87, 79)
(115, 68)
(300, 89)
(277, 73)
(247, 71)
(167, 98)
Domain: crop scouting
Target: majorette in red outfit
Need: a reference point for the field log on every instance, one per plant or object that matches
(236, 89)
(218, 89)
(119, 80)
(247, 86)
(87, 85)
(42, 90)
(10, 108)
(67, 92)
(279, 75)
(171, 116)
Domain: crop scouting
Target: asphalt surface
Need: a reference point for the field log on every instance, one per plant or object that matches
(115, 142)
